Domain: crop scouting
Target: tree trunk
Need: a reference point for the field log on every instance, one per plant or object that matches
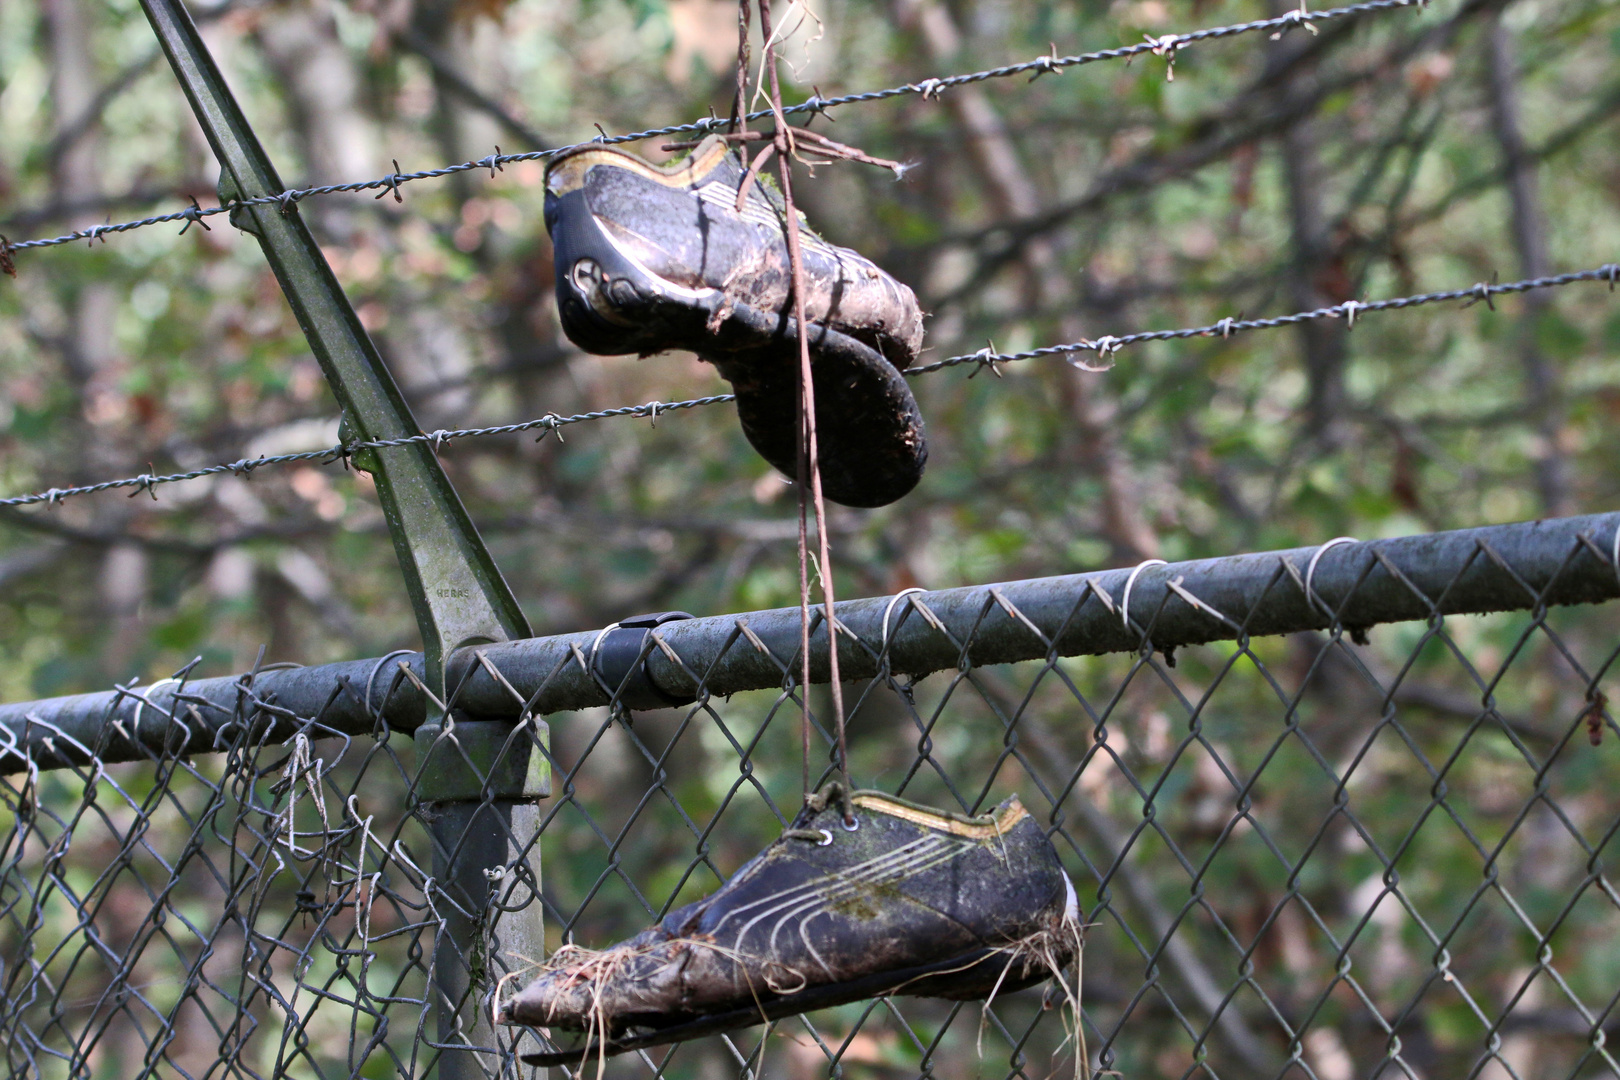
(1315, 258)
(996, 161)
(87, 347)
(1543, 392)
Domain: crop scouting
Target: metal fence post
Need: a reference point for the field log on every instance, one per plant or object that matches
(477, 782)
(486, 861)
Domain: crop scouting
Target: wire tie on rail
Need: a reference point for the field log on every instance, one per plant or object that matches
(596, 645)
(1310, 572)
(493, 162)
(391, 182)
(1048, 64)
(141, 701)
(372, 678)
(1350, 307)
(1615, 554)
(1125, 597)
(883, 641)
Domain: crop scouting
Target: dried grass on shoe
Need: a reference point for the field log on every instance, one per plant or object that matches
(598, 968)
(1050, 949)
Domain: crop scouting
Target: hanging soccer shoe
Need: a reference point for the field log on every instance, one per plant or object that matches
(909, 900)
(652, 257)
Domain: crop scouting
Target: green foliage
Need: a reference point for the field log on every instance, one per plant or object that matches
(1171, 204)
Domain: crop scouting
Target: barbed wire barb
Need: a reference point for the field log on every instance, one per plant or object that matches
(194, 216)
(391, 182)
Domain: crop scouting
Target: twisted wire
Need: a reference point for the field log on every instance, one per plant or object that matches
(1166, 46)
(1105, 347)
(342, 452)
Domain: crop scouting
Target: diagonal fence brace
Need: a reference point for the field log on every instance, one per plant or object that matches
(479, 783)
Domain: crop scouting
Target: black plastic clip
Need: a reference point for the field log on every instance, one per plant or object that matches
(619, 663)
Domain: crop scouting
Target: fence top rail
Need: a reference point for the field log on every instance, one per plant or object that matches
(1342, 584)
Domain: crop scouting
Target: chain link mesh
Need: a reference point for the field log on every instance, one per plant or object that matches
(1366, 851)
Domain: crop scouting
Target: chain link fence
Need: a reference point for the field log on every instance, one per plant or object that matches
(1337, 812)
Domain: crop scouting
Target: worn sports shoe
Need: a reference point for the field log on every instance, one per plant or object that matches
(909, 900)
(653, 257)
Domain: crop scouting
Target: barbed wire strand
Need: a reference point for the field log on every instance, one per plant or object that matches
(1105, 348)
(1166, 45)
(247, 466)
(1350, 310)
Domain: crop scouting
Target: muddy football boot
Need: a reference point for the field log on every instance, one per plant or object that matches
(910, 900)
(651, 258)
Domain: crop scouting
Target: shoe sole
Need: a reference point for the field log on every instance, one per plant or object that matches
(871, 441)
(869, 431)
(877, 985)
(683, 218)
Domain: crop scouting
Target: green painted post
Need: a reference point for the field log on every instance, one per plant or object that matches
(479, 781)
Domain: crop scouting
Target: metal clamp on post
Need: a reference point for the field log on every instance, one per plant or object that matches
(619, 660)
(474, 759)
